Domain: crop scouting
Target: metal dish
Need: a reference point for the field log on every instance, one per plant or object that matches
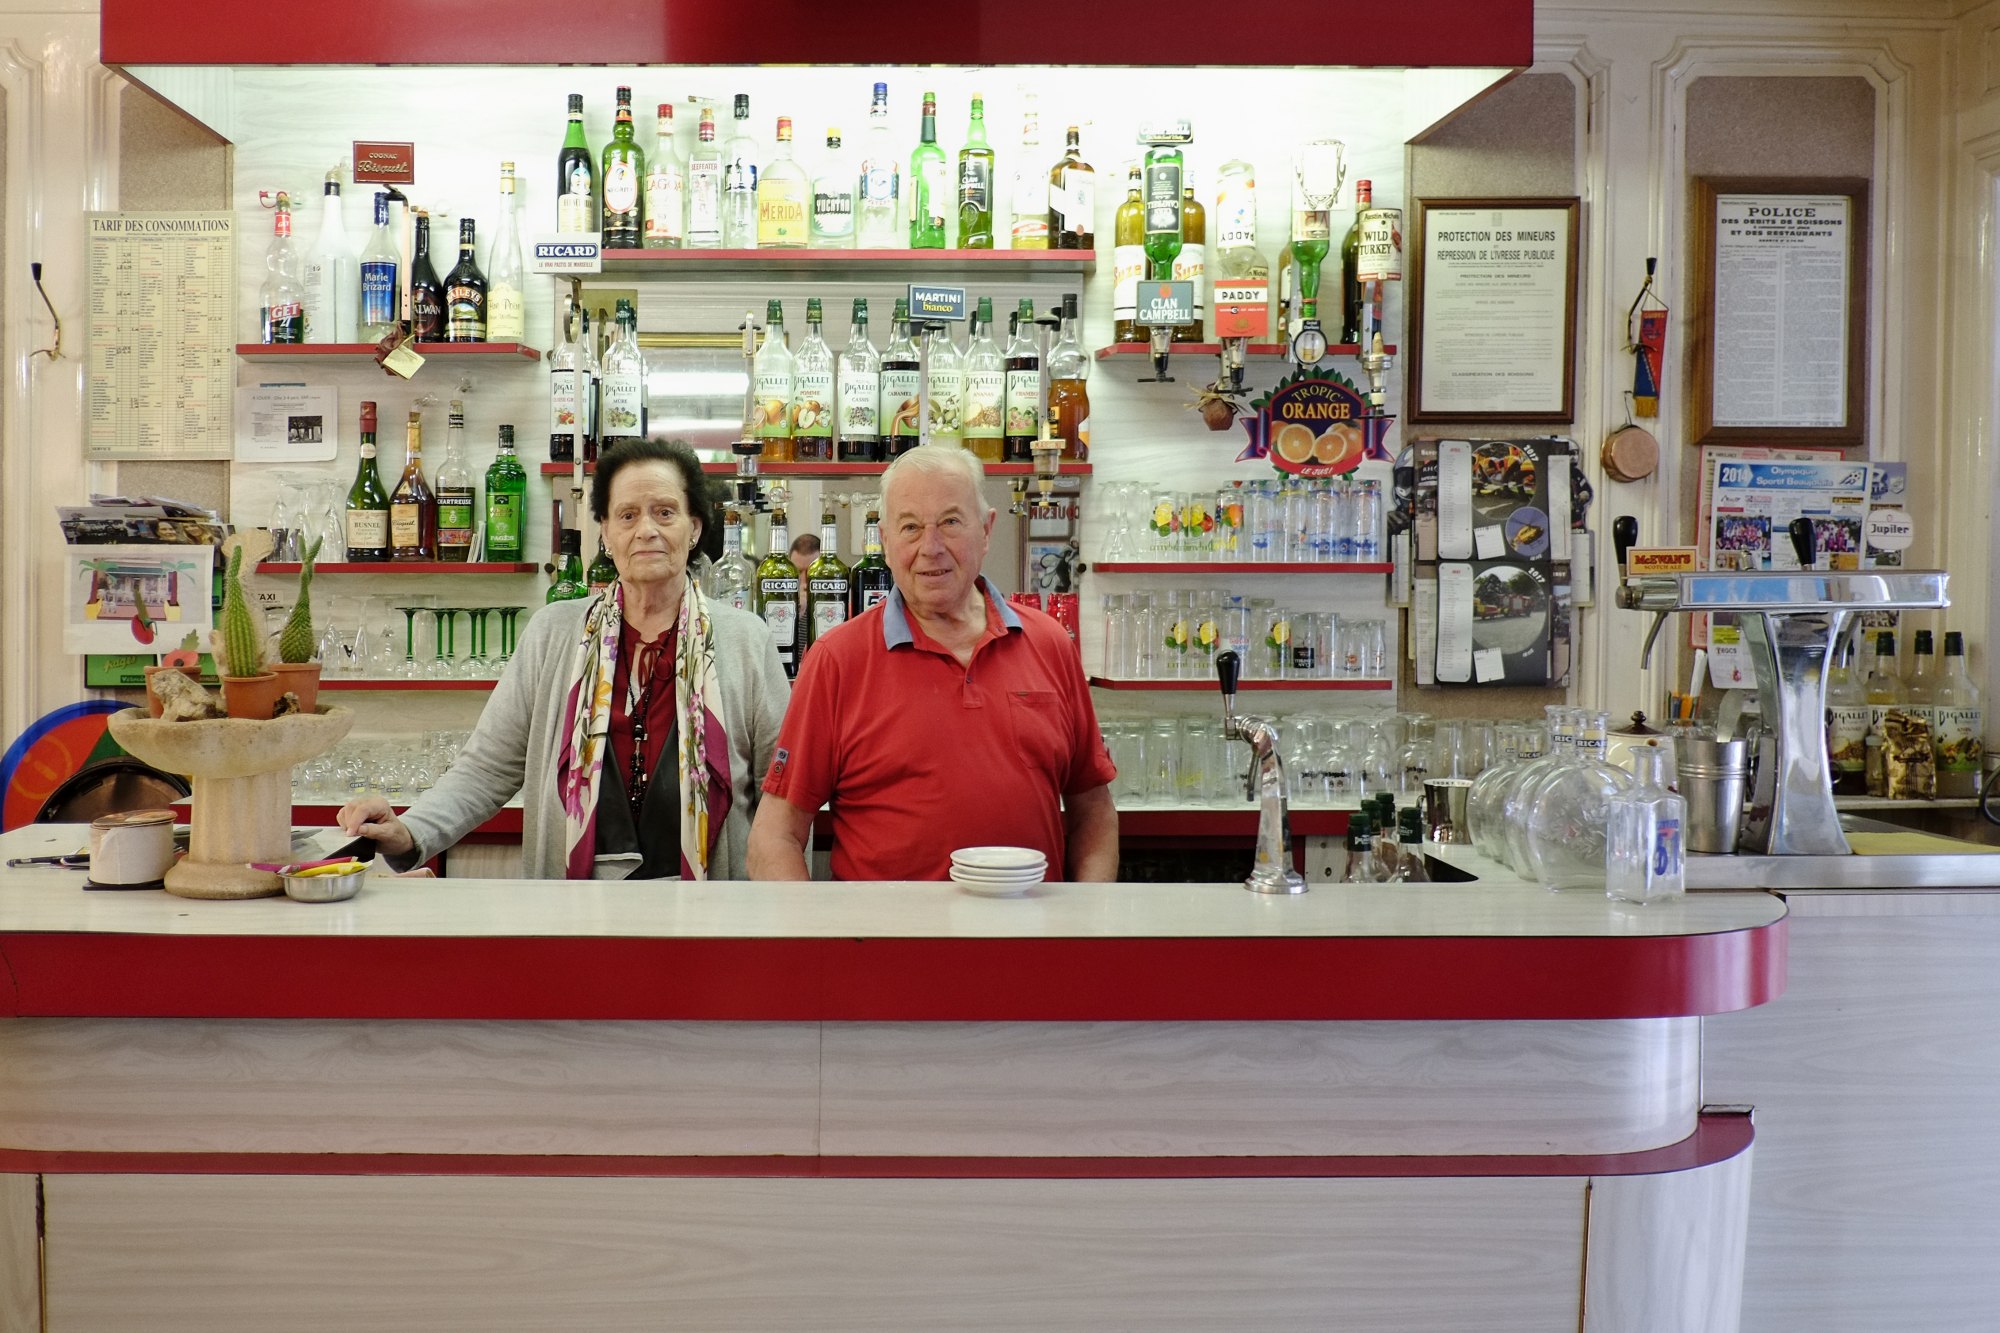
(323, 888)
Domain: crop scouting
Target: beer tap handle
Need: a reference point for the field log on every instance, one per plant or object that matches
(1228, 666)
(1624, 536)
(1801, 531)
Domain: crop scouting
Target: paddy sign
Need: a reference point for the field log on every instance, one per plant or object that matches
(1314, 424)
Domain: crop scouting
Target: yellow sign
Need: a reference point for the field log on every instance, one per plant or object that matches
(1659, 560)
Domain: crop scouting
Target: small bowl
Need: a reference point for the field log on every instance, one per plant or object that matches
(323, 888)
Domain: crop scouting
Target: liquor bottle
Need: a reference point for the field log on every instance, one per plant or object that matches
(833, 198)
(901, 376)
(829, 585)
(947, 372)
(1290, 314)
(457, 497)
(860, 392)
(1352, 292)
(1958, 739)
(1410, 867)
(413, 508)
(1847, 720)
(1069, 399)
(506, 293)
(1164, 238)
(602, 573)
(1128, 259)
(666, 186)
(427, 316)
(732, 579)
(1024, 389)
(329, 276)
(929, 192)
(1240, 276)
(622, 394)
(984, 416)
(1645, 858)
(1191, 264)
(569, 584)
(1920, 685)
(784, 198)
(778, 593)
(1072, 199)
(624, 182)
(281, 304)
(812, 393)
(773, 373)
(1028, 228)
(565, 391)
(367, 526)
(1884, 689)
(975, 183)
(576, 176)
(704, 187)
(1361, 860)
(878, 184)
(589, 389)
(739, 182)
(506, 501)
(869, 581)
(1312, 231)
(465, 293)
(381, 286)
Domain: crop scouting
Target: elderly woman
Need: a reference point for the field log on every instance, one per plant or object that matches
(636, 724)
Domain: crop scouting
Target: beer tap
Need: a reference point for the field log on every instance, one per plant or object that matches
(1264, 783)
(748, 447)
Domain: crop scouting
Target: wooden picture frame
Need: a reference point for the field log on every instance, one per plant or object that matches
(1493, 286)
(1756, 378)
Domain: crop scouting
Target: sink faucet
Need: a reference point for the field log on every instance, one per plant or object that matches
(1264, 783)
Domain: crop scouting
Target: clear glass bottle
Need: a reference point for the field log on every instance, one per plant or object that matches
(901, 373)
(281, 301)
(622, 392)
(930, 186)
(1518, 800)
(1410, 864)
(975, 183)
(705, 170)
(1072, 199)
(1847, 719)
(1958, 742)
(576, 175)
(1363, 866)
(506, 290)
(784, 198)
(328, 275)
(732, 579)
(1028, 225)
(740, 157)
(947, 389)
(1570, 810)
(666, 186)
(833, 198)
(1069, 396)
(859, 388)
(506, 501)
(1239, 274)
(878, 193)
(1645, 858)
(624, 176)
(773, 373)
(381, 284)
(457, 496)
(984, 416)
(1024, 388)
(812, 393)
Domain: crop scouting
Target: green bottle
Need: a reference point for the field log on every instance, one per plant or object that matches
(506, 501)
(624, 182)
(1163, 208)
(569, 584)
(975, 184)
(928, 185)
(367, 518)
(602, 572)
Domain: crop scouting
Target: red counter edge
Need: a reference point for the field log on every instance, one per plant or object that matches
(76, 974)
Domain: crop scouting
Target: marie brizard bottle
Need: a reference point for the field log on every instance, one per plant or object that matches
(457, 497)
(367, 502)
(465, 293)
(624, 182)
(778, 593)
(427, 315)
(413, 507)
(829, 584)
(381, 270)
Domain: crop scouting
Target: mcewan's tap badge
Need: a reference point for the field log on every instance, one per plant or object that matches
(1315, 423)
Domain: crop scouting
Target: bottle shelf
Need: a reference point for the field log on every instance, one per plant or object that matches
(1237, 567)
(1144, 351)
(403, 567)
(831, 470)
(396, 686)
(1335, 683)
(923, 264)
(361, 351)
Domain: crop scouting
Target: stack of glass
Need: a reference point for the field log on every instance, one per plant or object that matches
(1335, 520)
(1175, 633)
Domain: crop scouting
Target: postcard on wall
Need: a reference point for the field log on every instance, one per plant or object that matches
(287, 423)
(1496, 623)
(135, 599)
(1503, 499)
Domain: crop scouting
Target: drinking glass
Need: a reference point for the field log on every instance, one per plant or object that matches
(1228, 542)
(1197, 525)
(1323, 523)
(1173, 637)
(1163, 524)
(1276, 638)
(1263, 521)
(1309, 640)
(1298, 521)
(1204, 634)
(1163, 761)
(1233, 629)
(1127, 743)
(1147, 652)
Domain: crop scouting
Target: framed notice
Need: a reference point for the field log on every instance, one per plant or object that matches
(1493, 310)
(1779, 331)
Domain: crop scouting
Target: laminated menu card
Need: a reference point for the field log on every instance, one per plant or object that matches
(1497, 623)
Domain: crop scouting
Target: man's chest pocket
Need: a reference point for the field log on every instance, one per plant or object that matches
(1041, 729)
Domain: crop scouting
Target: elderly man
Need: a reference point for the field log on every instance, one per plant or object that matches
(943, 717)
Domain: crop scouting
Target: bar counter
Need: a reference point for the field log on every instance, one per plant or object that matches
(511, 1104)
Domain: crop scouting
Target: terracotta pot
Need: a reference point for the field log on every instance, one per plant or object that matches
(302, 679)
(252, 697)
(153, 700)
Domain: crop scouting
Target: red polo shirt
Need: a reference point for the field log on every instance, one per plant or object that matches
(916, 756)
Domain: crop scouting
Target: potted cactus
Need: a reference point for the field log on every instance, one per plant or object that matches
(295, 668)
(249, 690)
(185, 659)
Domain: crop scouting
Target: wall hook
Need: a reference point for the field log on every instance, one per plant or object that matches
(52, 353)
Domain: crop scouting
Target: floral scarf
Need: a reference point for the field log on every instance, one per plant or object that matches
(701, 758)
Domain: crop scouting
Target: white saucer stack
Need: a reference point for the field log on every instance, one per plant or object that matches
(998, 872)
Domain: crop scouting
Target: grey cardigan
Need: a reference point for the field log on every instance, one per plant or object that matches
(513, 749)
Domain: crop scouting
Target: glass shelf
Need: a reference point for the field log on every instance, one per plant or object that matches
(395, 686)
(1145, 350)
(1238, 567)
(1339, 683)
(402, 567)
(828, 264)
(366, 351)
(728, 469)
